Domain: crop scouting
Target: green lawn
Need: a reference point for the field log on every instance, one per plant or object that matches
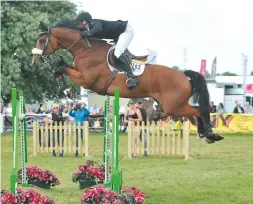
(220, 173)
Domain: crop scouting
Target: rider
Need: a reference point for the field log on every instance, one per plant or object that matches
(103, 29)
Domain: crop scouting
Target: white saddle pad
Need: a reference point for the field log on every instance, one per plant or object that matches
(138, 69)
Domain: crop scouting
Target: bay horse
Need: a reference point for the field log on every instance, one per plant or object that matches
(171, 88)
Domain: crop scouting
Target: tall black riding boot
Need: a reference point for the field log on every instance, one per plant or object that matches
(131, 81)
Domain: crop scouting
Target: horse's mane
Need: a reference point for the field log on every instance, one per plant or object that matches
(67, 23)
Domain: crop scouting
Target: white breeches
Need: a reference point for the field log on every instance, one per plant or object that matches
(124, 41)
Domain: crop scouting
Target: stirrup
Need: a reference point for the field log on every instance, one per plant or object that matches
(130, 83)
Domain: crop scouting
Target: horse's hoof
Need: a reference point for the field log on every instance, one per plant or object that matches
(214, 137)
(208, 141)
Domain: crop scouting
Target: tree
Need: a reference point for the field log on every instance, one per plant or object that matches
(228, 74)
(20, 28)
(207, 75)
(251, 73)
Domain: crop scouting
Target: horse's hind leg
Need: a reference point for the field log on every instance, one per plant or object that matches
(204, 128)
(187, 111)
(193, 120)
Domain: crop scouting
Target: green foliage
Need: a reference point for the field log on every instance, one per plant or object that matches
(20, 29)
(207, 75)
(251, 73)
(176, 67)
(228, 74)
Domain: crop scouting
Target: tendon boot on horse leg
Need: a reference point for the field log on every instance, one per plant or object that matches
(60, 70)
(131, 81)
(205, 129)
(56, 74)
(58, 82)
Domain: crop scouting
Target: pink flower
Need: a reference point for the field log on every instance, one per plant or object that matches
(29, 196)
(117, 202)
(105, 201)
(109, 194)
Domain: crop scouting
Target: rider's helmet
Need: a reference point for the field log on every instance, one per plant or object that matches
(84, 16)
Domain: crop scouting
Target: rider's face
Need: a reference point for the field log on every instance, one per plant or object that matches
(85, 25)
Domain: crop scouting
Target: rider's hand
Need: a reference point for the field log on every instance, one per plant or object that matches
(85, 33)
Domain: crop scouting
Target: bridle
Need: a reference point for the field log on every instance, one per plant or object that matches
(48, 40)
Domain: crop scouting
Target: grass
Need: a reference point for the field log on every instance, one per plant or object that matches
(220, 173)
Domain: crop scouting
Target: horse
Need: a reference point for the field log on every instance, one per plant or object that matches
(92, 59)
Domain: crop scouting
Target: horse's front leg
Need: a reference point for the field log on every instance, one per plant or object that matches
(74, 74)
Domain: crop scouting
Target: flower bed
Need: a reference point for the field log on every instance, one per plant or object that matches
(100, 194)
(24, 197)
(39, 177)
(88, 174)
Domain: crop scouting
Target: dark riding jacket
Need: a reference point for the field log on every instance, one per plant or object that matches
(103, 29)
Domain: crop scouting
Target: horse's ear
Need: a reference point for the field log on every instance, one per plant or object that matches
(43, 26)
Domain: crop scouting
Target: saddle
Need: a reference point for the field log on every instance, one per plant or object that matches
(116, 63)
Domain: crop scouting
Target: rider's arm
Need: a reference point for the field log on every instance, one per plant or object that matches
(96, 27)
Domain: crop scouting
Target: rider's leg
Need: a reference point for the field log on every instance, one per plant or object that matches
(122, 44)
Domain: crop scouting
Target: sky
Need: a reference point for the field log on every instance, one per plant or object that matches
(183, 32)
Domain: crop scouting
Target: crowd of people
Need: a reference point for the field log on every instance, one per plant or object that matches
(220, 109)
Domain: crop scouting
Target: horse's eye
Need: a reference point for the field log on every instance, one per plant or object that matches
(42, 40)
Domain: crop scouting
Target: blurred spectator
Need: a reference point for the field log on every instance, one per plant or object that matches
(60, 106)
(101, 110)
(248, 108)
(238, 108)
(8, 110)
(80, 113)
(28, 111)
(2, 109)
(133, 115)
(56, 117)
(212, 107)
(42, 109)
(94, 110)
(121, 118)
(221, 109)
(144, 118)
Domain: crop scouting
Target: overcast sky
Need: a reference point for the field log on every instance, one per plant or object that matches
(206, 28)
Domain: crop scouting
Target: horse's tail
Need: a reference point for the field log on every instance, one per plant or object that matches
(199, 90)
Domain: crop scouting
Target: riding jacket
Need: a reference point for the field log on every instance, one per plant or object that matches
(103, 29)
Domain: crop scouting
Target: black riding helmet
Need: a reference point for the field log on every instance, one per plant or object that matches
(84, 16)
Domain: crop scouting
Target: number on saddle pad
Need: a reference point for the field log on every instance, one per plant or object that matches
(138, 69)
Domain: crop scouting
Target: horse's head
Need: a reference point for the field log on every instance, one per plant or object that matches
(64, 35)
(46, 43)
